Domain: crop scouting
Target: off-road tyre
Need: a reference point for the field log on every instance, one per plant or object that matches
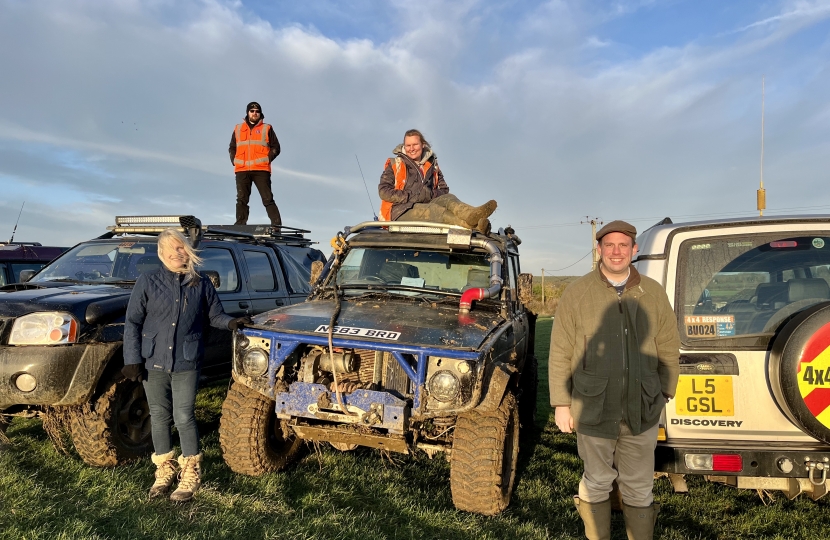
(484, 453)
(251, 435)
(4, 425)
(529, 388)
(115, 428)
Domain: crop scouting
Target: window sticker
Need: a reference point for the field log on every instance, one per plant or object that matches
(701, 246)
(818, 243)
(710, 326)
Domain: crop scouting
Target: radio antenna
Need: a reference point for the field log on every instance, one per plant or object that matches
(367, 187)
(16, 222)
(761, 194)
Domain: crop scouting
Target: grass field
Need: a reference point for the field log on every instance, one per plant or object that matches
(361, 494)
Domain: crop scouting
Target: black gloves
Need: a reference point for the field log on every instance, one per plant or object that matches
(134, 372)
(240, 322)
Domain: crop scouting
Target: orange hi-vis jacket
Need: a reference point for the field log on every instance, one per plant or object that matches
(400, 181)
(252, 148)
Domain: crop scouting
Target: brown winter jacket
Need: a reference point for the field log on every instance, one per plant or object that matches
(613, 357)
(417, 189)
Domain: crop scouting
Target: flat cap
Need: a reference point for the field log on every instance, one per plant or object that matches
(618, 226)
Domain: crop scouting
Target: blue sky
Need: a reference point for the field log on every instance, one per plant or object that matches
(559, 109)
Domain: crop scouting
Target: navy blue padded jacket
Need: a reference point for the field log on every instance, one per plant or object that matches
(166, 318)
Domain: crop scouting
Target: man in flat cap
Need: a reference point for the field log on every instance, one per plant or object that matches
(613, 365)
(253, 147)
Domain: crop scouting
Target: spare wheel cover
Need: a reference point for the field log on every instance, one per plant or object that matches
(799, 371)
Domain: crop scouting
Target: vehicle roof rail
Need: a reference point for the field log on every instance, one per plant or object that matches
(426, 227)
(35, 244)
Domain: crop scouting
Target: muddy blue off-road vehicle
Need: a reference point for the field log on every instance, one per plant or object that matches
(416, 337)
(61, 331)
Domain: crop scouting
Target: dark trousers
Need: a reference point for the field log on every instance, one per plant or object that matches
(172, 399)
(262, 179)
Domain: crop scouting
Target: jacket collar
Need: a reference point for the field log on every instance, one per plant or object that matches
(633, 277)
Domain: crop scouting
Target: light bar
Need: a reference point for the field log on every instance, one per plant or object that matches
(428, 230)
(142, 220)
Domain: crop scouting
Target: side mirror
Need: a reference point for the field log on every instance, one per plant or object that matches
(26, 275)
(525, 288)
(213, 275)
(316, 270)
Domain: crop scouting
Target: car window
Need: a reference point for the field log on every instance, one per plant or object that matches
(455, 272)
(116, 260)
(734, 286)
(262, 274)
(221, 261)
(19, 267)
(3, 274)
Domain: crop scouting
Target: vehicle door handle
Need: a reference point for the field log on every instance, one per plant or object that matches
(243, 305)
(280, 302)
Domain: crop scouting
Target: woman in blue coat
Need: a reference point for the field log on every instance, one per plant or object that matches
(163, 334)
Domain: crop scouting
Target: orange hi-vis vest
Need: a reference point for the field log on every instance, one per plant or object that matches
(252, 148)
(400, 181)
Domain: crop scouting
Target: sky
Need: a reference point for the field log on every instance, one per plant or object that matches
(562, 111)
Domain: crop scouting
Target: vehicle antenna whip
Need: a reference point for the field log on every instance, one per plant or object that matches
(16, 222)
(367, 187)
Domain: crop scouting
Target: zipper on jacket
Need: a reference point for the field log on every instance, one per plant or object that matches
(624, 337)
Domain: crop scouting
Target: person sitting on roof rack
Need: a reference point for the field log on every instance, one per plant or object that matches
(412, 188)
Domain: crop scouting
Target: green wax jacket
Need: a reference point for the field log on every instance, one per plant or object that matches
(612, 358)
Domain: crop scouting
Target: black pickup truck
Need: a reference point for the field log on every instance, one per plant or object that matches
(61, 331)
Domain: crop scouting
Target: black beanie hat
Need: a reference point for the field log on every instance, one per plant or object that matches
(253, 105)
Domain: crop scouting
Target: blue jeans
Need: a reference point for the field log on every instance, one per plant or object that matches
(172, 398)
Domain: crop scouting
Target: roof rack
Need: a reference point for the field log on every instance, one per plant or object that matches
(157, 224)
(423, 227)
(35, 244)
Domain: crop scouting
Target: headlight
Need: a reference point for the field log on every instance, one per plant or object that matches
(255, 362)
(443, 386)
(49, 328)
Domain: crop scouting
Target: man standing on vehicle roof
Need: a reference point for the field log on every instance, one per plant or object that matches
(253, 147)
(613, 365)
(412, 188)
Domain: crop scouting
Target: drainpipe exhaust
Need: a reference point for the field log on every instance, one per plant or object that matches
(496, 281)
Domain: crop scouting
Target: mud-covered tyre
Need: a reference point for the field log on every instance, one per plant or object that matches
(483, 463)
(115, 428)
(251, 435)
(529, 387)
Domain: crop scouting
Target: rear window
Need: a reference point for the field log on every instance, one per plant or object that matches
(742, 289)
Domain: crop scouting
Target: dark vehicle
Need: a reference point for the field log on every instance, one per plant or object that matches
(415, 336)
(24, 257)
(61, 332)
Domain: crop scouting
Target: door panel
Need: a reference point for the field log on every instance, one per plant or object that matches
(265, 286)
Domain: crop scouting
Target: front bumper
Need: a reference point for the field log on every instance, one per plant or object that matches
(65, 374)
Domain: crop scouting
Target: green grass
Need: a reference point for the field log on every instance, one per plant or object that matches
(361, 494)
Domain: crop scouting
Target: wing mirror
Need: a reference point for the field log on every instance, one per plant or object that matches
(525, 288)
(316, 270)
(26, 275)
(213, 275)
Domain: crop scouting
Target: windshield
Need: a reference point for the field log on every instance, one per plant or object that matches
(750, 285)
(408, 268)
(103, 262)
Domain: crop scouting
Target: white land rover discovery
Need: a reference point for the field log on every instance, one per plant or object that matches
(752, 298)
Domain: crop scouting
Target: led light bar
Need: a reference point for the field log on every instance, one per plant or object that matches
(183, 221)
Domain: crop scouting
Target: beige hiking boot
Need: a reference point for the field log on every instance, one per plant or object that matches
(484, 226)
(640, 521)
(596, 517)
(190, 479)
(166, 470)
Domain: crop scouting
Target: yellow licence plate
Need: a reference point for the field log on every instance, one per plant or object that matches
(705, 395)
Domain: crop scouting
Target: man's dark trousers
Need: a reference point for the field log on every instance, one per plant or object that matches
(262, 179)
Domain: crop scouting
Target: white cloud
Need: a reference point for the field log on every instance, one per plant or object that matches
(128, 106)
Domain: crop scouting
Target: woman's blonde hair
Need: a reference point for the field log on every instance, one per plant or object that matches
(170, 235)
